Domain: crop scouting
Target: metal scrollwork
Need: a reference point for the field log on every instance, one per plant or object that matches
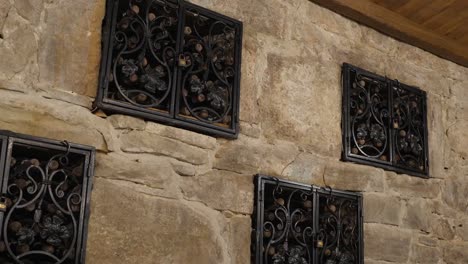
(384, 123)
(287, 230)
(338, 228)
(302, 224)
(144, 53)
(44, 201)
(208, 69)
(369, 111)
(408, 121)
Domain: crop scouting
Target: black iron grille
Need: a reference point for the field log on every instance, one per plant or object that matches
(302, 224)
(384, 123)
(171, 62)
(44, 205)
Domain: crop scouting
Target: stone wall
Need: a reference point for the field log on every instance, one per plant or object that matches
(166, 195)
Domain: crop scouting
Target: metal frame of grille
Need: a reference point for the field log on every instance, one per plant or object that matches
(302, 224)
(384, 123)
(45, 199)
(171, 62)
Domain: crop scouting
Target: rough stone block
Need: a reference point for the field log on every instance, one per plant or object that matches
(145, 142)
(410, 186)
(386, 243)
(251, 156)
(221, 190)
(131, 227)
(425, 255)
(455, 253)
(189, 137)
(384, 209)
(418, 214)
(354, 177)
(127, 122)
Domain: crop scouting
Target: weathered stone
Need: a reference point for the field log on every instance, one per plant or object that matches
(250, 156)
(386, 243)
(412, 186)
(436, 122)
(382, 209)
(428, 241)
(250, 130)
(70, 45)
(418, 214)
(442, 228)
(288, 114)
(239, 242)
(348, 176)
(144, 169)
(306, 168)
(29, 9)
(454, 192)
(182, 168)
(189, 137)
(17, 47)
(456, 253)
(145, 142)
(227, 190)
(127, 122)
(4, 8)
(461, 228)
(45, 125)
(130, 227)
(424, 255)
(456, 132)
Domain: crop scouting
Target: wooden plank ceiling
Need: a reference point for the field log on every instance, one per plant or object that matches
(438, 26)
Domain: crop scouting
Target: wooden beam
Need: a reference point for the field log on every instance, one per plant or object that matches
(399, 27)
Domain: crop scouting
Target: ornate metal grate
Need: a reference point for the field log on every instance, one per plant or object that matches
(171, 62)
(44, 205)
(384, 123)
(301, 224)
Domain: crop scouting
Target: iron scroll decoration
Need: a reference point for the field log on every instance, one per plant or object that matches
(172, 62)
(44, 203)
(384, 123)
(295, 223)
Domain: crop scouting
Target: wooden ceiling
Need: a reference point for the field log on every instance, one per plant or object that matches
(438, 26)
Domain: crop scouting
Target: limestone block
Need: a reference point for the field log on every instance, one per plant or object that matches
(145, 142)
(418, 214)
(455, 253)
(239, 241)
(293, 109)
(30, 9)
(70, 45)
(221, 190)
(306, 168)
(454, 192)
(251, 156)
(384, 209)
(354, 177)
(126, 122)
(442, 228)
(189, 137)
(457, 135)
(410, 186)
(144, 169)
(424, 255)
(4, 8)
(135, 228)
(386, 243)
(17, 46)
(461, 227)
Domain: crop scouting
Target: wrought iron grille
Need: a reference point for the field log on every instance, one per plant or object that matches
(302, 224)
(172, 62)
(384, 123)
(44, 205)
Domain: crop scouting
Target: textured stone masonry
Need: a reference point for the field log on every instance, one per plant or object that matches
(166, 195)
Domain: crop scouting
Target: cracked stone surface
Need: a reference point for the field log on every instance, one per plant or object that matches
(167, 195)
